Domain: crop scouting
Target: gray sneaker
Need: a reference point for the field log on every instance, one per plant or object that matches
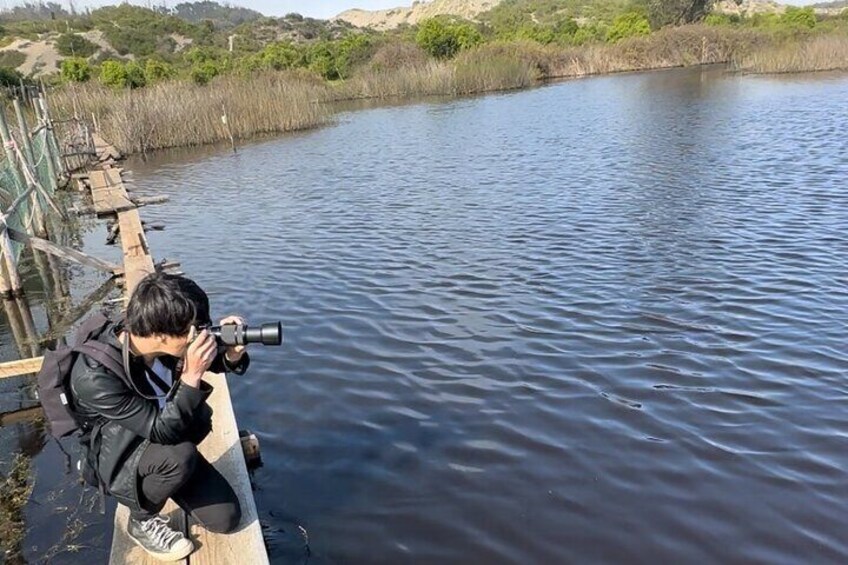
(158, 539)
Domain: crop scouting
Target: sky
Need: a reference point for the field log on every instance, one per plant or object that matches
(312, 8)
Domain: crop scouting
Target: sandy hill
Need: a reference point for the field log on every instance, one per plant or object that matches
(392, 18)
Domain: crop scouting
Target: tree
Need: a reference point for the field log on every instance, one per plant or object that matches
(76, 69)
(443, 38)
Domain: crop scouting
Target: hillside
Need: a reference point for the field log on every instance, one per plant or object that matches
(35, 38)
(394, 17)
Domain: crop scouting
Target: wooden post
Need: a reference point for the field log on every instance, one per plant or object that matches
(10, 263)
(53, 163)
(5, 284)
(16, 326)
(39, 228)
(28, 322)
(226, 121)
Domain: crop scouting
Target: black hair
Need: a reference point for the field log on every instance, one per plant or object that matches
(164, 304)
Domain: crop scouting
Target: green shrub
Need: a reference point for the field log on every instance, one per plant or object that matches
(443, 38)
(156, 70)
(280, 56)
(626, 25)
(716, 19)
(321, 59)
(73, 45)
(587, 34)
(799, 17)
(12, 59)
(353, 50)
(203, 73)
(76, 69)
(115, 74)
(9, 77)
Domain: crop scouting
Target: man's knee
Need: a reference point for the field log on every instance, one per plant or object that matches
(184, 458)
(224, 519)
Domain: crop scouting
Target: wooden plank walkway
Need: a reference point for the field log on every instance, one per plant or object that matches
(222, 447)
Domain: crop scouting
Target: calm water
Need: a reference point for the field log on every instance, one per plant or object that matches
(601, 321)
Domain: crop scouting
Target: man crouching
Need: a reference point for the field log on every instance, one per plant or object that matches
(142, 428)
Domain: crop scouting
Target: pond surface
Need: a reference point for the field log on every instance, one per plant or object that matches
(599, 321)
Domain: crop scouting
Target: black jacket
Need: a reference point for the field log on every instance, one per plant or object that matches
(120, 422)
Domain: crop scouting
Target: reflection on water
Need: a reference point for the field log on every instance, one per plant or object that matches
(601, 321)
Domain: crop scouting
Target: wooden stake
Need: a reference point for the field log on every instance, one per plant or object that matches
(53, 163)
(28, 326)
(16, 326)
(226, 121)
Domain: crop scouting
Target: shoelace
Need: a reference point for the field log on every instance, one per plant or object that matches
(158, 530)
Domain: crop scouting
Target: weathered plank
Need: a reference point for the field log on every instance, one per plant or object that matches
(223, 449)
(137, 260)
(67, 253)
(108, 192)
(22, 367)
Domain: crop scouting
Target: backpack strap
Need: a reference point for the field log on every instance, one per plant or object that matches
(104, 354)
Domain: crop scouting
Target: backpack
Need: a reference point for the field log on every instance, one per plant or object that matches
(54, 377)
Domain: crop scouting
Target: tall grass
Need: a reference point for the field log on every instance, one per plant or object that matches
(175, 114)
(820, 53)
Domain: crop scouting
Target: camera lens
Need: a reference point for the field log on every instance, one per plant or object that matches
(266, 334)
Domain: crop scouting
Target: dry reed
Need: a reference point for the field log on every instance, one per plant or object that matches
(821, 53)
(175, 114)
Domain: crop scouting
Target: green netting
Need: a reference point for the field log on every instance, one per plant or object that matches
(41, 156)
(11, 187)
(13, 180)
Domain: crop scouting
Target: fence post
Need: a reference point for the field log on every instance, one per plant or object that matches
(15, 285)
(54, 163)
(38, 215)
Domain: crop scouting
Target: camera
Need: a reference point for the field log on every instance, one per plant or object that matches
(241, 334)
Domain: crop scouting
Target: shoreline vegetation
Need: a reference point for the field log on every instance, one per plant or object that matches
(283, 87)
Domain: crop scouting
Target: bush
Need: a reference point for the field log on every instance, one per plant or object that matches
(322, 60)
(631, 24)
(76, 69)
(73, 45)
(115, 74)
(156, 70)
(716, 19)
(799, 17)
(203, 73)
(280, 56)
(394, 55)
(12, 59)
(443, 38)
(9, 77)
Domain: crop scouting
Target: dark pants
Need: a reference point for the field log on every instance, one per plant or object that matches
(181, 473)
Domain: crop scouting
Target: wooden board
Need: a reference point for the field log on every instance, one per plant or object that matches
(223, 449)
(137, 260)
(108, 192)
(22, 367)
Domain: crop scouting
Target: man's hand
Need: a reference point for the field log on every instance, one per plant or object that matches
(201, 352)
(233, 353)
